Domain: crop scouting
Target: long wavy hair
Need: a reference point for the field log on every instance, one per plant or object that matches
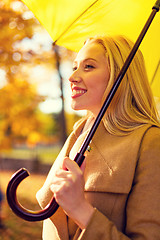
(133, 104)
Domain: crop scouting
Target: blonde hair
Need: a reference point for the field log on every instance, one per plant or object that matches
(133, 103)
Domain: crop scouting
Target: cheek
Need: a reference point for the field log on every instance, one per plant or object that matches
(105, 81)
(99, 94)
(101, 85)
(97, 83)
(96, 95)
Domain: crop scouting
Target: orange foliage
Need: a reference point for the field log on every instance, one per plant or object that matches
(17, 112)
(20, 120)
(19, 99)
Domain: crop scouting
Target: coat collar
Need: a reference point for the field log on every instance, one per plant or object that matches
(111, 163)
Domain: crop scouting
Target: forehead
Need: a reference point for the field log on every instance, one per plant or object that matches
(91, 50)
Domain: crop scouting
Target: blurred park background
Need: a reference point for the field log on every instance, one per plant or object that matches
(35, 113)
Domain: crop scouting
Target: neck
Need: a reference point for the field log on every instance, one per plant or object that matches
(88, 124)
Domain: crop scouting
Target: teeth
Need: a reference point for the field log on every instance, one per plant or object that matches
(78, 91)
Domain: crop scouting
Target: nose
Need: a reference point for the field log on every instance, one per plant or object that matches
(75, 77)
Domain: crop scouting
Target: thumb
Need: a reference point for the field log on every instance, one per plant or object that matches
(69, 164)
(83, 166)
(64, 163)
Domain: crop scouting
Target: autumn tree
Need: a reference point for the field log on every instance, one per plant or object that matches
(18, 108)
(19, 99)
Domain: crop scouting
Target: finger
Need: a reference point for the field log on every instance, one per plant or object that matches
(70, 165)
(83, 166)
(57, 181)
(55, 189)
(62, 173)
(52, 188)
(58, 185)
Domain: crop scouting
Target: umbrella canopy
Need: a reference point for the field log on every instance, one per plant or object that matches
(70, 22)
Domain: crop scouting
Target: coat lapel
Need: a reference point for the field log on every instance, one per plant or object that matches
(111, 163)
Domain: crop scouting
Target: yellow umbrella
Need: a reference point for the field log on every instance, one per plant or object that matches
(70, 22)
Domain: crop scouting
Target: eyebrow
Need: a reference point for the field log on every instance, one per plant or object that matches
(87, 59)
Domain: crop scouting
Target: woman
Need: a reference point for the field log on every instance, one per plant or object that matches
(116, 192)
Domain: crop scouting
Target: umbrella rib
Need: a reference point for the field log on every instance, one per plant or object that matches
(158, 65)
(75, 21)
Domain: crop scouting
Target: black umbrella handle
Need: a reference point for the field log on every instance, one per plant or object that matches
(18, 209)
(22, 173)
(22, 212)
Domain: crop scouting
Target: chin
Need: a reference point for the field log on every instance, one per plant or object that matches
(76, 107)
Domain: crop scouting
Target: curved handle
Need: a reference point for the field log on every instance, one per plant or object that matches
(22, 212)
(18, 209)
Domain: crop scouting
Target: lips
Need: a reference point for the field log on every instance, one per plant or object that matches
(77, 92)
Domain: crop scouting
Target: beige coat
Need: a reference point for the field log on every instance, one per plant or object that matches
(122, 182)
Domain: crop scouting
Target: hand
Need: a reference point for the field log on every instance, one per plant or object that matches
(68, 189)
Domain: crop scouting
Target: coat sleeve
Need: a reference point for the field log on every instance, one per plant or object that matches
(44, 195)
(143, 204)
(52, 228)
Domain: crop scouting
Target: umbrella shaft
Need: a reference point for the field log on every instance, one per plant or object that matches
(157, 5)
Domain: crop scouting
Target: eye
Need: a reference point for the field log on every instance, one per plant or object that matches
(74, 68)
(89, 66)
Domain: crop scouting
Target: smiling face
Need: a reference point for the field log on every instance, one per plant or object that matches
(90, 78)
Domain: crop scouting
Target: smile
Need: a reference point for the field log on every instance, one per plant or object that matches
(78, 92)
